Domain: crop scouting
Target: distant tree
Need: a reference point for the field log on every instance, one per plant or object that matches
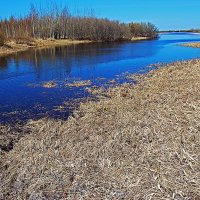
(143, 30)
(2, 38)
(58, 23)
(136, 29)
(150, 30)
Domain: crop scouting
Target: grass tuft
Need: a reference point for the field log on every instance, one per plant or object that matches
(79, 83)
(50, 84)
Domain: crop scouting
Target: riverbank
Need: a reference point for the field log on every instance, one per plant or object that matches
(140, 38)
(14, 46)
(137, 141)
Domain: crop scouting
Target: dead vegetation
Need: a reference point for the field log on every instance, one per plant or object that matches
(50, 84)
(24, 43)
(97, 91)
(79, 83)
(140, 142)
(53, 84)
(9, 136)
(192, 44)
(140, 38)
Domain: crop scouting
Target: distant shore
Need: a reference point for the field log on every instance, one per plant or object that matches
(12, 47)
(180, 31)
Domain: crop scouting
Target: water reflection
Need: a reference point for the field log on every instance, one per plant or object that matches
(3, 63)
(62, 62)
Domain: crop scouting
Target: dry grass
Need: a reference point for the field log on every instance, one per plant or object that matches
(97, 91)
(23, 44)
(53, 84)
(79, 83)
(140, 38)
(10, 135)
(8, 49)
(141, 142)
(61, 42)
(50, 84)
(7, 135)
(193, 44)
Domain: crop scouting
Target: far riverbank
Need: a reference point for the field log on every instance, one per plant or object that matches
(20, 45)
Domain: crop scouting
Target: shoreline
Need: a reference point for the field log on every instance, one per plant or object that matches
(189, 32)
(155, 140)
(141, 38)
(12, 47)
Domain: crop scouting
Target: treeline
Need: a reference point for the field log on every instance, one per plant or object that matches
(143, 30)
(61, 24)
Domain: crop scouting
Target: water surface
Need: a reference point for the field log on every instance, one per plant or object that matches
(20, 101)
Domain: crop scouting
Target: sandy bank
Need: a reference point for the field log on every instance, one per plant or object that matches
(140, 38)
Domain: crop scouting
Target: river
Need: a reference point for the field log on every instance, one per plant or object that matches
(21, 75)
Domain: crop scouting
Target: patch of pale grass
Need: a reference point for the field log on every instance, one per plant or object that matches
(141, 142)
(79, 83)
(192, 44)
(50, 84)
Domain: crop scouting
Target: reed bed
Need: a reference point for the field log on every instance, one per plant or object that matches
(138, 142)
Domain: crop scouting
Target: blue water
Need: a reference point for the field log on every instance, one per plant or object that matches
(19, 101)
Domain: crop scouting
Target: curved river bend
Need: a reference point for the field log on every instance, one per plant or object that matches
(20, 102)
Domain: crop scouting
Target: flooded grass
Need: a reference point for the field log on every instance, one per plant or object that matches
(79, 83)
(53, 84)
(96, 91)
(50, 84)
(139, 141)
(113, 81)
(192, 44)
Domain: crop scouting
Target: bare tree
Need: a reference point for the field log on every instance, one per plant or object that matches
(58, 23)
(143, 30)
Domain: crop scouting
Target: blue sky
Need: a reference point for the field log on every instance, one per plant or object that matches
(166, 14)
